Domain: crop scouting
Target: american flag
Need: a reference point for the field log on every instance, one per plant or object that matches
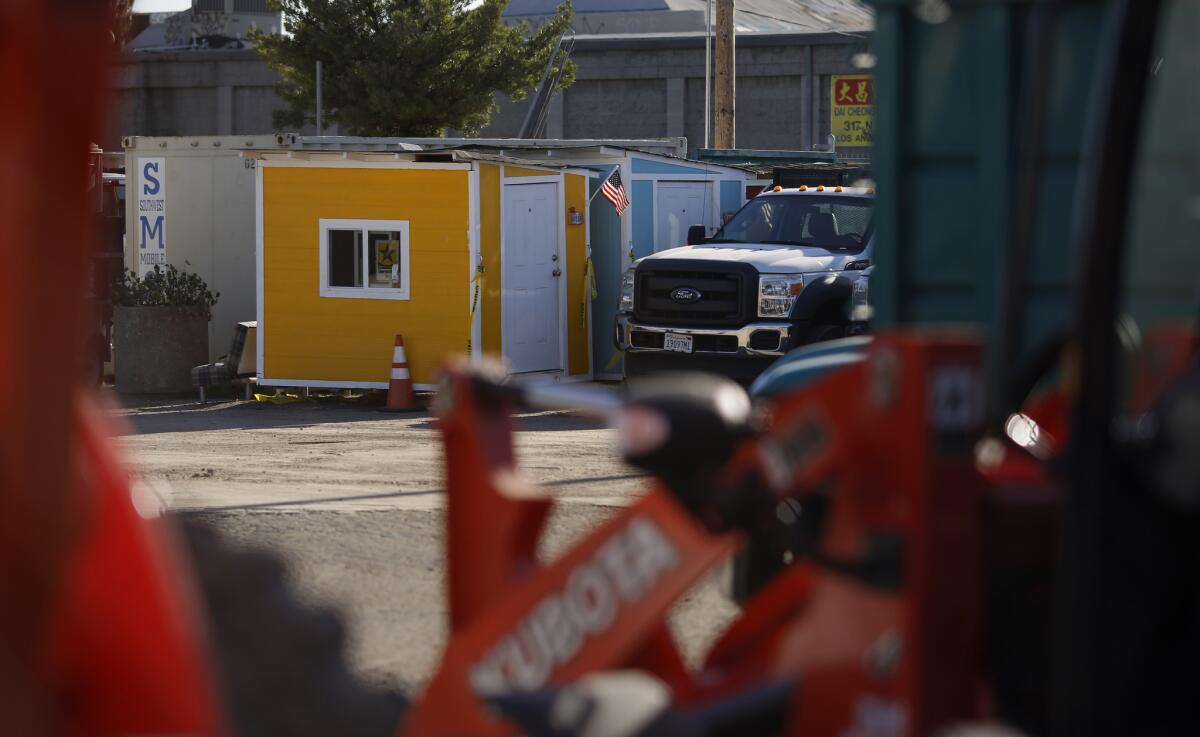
(615, 191)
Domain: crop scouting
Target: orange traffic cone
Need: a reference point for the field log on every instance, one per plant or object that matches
(400, 387)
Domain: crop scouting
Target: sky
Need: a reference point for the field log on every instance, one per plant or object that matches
(161, 6)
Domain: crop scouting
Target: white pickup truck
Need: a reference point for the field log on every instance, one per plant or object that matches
(790, 268)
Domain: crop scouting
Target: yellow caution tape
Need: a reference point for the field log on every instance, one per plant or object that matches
(278, 398)
(589, 272)
(474, 303)
(317, 396)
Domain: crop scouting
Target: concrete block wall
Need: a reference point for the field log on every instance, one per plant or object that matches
(647, 87)
(615, 108)
(193, 93)
(627, 87)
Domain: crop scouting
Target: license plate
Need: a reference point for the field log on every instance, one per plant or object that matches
(677, 343)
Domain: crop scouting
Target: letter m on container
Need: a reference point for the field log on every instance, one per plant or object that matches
(150, 232)
(152, 204)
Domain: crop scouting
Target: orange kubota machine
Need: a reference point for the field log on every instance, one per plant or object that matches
(876, 627)
(881, 624)
(1047, 577)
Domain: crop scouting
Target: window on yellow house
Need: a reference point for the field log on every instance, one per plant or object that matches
(364, 259)
(345, 258)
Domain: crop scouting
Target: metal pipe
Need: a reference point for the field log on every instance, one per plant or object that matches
(708, 75)
(319, 98)
(533, 111)
(602, 404)
(567, 46)
(814, 89)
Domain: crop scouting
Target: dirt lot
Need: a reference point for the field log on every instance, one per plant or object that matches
(353, 498)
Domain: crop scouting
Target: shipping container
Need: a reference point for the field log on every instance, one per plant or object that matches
(190, 204)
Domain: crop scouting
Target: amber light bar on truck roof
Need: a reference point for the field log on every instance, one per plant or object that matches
(817, 188)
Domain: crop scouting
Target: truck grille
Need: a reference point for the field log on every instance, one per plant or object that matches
(726, 293)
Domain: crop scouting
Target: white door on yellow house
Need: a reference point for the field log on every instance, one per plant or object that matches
(532, 270)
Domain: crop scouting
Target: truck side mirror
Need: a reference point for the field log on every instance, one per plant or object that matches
(696, 234)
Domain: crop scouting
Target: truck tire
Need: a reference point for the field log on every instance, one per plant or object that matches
(632, 366)
(280, 662)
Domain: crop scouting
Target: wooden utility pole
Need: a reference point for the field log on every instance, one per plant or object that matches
(726, 76)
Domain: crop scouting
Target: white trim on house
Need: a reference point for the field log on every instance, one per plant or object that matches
(261, 332)
(474, 262)
(323, 384)
(564, 304)
(365, 291)
(682, 178)
(626, 167)
(503, 261)
(269, 159)
(587, 258)
(548, 179)
(718, 219)
(560, 248)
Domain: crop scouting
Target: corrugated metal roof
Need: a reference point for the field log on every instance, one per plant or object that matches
(668, 146)
(344, 151)
(752, 16)
(547, 7)
(616, 153)
(765, 170)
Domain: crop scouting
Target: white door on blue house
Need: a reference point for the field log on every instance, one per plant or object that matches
(532, 272)
(679, 206)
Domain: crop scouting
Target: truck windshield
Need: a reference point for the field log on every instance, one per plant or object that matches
(835, 223)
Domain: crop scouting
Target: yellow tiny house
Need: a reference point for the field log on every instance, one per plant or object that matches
(356, 247)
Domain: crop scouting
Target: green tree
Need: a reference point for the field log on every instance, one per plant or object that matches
(121, 15)
(406, 67)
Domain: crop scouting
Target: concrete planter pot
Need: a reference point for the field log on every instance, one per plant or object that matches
(155, 348)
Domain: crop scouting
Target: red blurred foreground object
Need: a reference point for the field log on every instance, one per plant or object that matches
(880, 626)
(125, 655)
(94, 635)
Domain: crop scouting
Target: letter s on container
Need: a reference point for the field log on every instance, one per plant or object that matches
(148, 177)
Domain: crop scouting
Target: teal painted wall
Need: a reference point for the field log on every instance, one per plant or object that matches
(606, 259)
(950, 101)
(642, 209)
(649, 166)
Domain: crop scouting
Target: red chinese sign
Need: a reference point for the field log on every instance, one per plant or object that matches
(853, 109)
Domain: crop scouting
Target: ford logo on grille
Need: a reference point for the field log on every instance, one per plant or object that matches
(685, 295)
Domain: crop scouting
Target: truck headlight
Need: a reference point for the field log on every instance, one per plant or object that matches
(777, 294)
(626, 303)
(860, 304)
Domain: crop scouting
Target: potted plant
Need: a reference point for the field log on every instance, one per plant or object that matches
(160, 329)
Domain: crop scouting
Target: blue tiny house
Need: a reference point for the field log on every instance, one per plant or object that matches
(667, 196)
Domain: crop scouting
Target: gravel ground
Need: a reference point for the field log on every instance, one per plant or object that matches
(352, 498)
